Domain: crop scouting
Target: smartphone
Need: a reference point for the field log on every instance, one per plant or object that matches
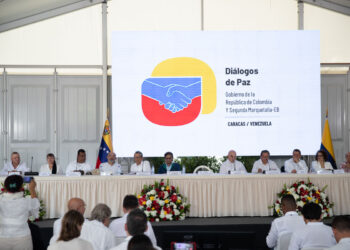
(183, 246)
(27, 179)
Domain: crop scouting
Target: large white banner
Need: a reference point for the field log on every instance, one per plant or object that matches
(203, 93)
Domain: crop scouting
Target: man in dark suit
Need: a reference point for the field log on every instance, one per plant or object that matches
(169, 165)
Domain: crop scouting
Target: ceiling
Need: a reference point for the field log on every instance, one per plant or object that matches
(16, 13)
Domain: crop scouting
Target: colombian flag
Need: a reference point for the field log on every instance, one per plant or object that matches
(106, 145)
(326, 144)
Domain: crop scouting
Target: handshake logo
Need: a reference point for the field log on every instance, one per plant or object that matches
(173, 96)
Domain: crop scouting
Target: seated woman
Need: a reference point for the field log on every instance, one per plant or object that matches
(50, 167)
(72, 223)
(14, 212)
(321, 163)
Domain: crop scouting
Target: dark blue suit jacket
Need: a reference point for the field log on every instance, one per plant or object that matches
(174, 167)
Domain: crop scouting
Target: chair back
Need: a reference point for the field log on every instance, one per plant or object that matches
(201, 168)
(283, 241)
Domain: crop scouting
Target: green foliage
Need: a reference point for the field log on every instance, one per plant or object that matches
(248, 161)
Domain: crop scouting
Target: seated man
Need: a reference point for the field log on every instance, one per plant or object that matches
(111, 166)
(295, 164)
(130, 203)
(169, 165)
(315, 234)
(341, 231)
(264, 163)
(290, 222)
(14, 165)
(80, 165)
(346, 164)
(231, 164)
(140, 165)
(136, 223)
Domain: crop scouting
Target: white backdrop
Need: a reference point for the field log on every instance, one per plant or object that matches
(286, 66)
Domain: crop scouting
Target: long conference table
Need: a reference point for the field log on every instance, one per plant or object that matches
(209, 195)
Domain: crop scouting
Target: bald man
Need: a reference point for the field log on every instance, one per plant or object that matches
(14, 165)
(111, 166)
(231, 164)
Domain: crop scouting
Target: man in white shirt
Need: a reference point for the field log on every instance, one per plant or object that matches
(341, 231)
(136, 223)
(232, 164)
(295, 164)
(140, 165)
(80, 165)
(315, 234)
(14, 165)
(289, 223)
(264, 163)
(111, 166)
(117, 226)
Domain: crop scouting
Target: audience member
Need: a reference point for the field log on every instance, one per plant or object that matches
(117, 226)
(140, 242)
(14, 165)
(169, 165)
(111, 166)
(315, 234)
(72, 223)
(50, 167)
(140, 165)
(289, 223)
(264, 163)
(80, 165)
(346, 164)
(321, 163)
(14, 212)
(136, 223)
(341, 231)
(295, 164)
(232, 164)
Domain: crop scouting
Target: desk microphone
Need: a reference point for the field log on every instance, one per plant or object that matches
(31, 168)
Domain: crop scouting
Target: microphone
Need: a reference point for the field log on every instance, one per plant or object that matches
(31, 168)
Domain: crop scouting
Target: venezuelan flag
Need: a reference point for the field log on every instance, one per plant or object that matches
(327, 144)
(106, 145)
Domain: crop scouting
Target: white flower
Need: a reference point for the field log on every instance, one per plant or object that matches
(148, 203)
(300, 204)
(146, 213)
(162, 215)
(162, 188)
(153, 192)
(157, 219)
(161, 203)
(176, 212)
(169, 216)
(166, 194)
(182, 217)
(154, 213)
(296, 196)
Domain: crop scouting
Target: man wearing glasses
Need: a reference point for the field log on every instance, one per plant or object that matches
(169, 165)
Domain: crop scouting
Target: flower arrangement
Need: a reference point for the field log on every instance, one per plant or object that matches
(162, 202)
(42, 210)
(305, 192)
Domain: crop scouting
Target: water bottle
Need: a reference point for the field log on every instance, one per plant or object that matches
(183, 169)
(152, 170)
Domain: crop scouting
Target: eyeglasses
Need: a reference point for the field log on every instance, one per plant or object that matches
(168, 158)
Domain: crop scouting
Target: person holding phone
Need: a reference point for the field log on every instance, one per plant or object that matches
(50, 167)
(14, 212)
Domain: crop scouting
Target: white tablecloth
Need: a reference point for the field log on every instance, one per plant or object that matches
(209, 195)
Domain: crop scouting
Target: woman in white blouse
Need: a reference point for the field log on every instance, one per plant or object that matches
(321, 163)
(14, 212)
(72, 223)
(50, 167)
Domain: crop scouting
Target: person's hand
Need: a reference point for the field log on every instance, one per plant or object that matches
(260, 170)
(294, 171)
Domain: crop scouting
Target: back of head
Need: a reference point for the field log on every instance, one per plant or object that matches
(13, 183)
(101, 212)
(130, 202)
(76, 204)
(311, 211)
(136, 222)
(288, 203)
(140, 242)
(341, 223)
(71, 222)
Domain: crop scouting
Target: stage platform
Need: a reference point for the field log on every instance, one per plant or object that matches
(209, 233)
